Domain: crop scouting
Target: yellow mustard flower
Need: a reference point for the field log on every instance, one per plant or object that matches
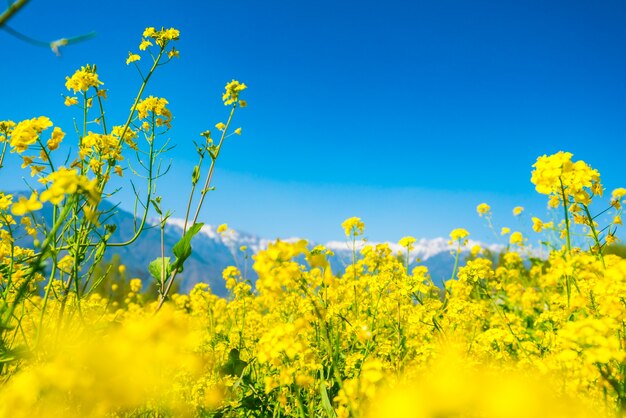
(135, 285)
(156, 106)
(353, 226)
(407, 242)
(558, 175)
(55, 139)
(23, 205)
(71, 101)
(517, 210)
(132, 58)
(83, 79)
(27, 132)
(233, 89)
(458, 235)
(516, 238)
(483, 209)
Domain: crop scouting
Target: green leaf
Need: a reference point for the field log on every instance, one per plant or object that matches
(155, 267)
(182, 249)
(326, 405)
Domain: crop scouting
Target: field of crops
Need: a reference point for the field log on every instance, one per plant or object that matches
(509, 335)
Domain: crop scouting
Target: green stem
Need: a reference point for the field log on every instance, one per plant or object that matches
(594, 232)
(566, 212)
(11, 10)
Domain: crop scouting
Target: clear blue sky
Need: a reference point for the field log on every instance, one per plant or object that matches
(405, 113)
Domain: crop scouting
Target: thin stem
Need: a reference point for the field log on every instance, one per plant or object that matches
(12, 10)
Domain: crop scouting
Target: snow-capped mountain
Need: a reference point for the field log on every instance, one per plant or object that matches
(213, 252)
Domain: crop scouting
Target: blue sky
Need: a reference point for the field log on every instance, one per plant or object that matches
(406, 114)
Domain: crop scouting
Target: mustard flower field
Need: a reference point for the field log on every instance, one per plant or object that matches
(510, 334)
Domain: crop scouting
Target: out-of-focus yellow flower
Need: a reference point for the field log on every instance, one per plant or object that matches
(135, 285)
(516, 238)
(505, 230)
(67, 181)
(238, 131)
(5, 201)
(353, 227)
(483, 209)
(407, 242)
(220, 126)
(459, 234)
(71, 101)
(23, 205)
(517, 210)
(222, 228)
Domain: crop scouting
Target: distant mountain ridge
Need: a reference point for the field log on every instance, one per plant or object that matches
(213, 252)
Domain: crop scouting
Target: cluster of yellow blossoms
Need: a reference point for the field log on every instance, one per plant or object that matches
(561, 178)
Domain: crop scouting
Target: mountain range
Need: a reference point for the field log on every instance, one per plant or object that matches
(213, 252)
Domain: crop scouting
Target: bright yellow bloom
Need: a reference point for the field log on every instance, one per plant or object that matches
(162, 37)
(505, 230)
(27, 132)
(616, 197)
(618, 193)
(516, 238)
(459, 234)
(132, 58)
(222, 228)
(70, 101)
(135, 285)
(232, 92)
(537, 224)
(145, 43)
(83, 79)
(6, 127)
(238, 131)
(517, 210)
(55, 139)
(557, 175)
(353, 227)
(149, 32)
(23, 205)
(5, 201)
(483, 209)
(407, 242)
(220, 126)
(156, 106)
(67, 181)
